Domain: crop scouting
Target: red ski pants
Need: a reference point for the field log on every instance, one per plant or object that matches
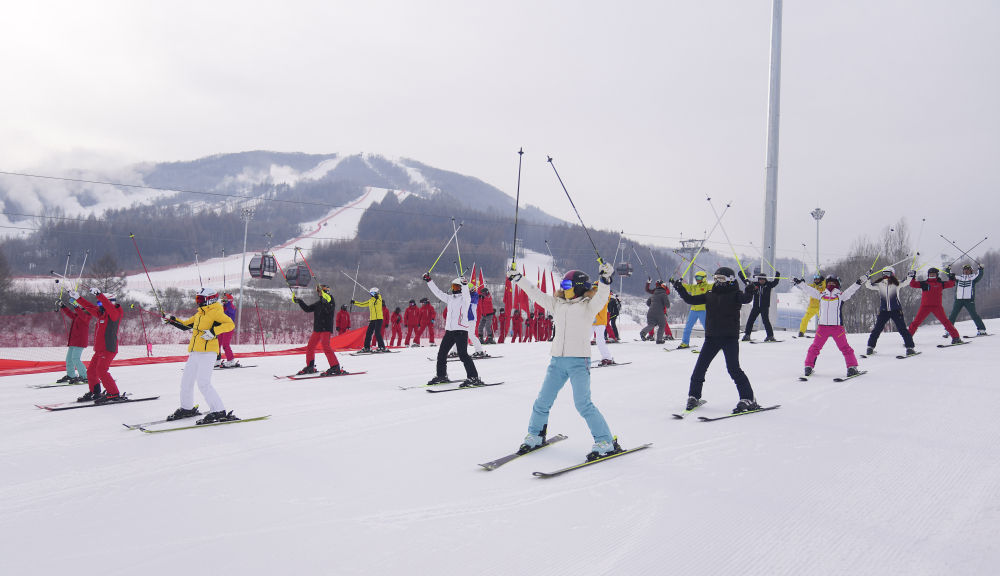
(938, 312)
(97, 372)
(397, 335)
(322, 339)
(414, 333)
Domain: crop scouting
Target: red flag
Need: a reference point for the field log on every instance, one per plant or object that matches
(543, 285)
(481, 281)
(508, 294)
(553, 282)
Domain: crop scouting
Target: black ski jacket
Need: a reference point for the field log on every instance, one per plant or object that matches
(323, 313)
(722, 307)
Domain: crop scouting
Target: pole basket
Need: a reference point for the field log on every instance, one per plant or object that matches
(624, 270)
(298, 276)
(263, 266)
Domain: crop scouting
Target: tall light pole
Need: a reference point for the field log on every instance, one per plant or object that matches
(818, 214)
(773, 115)
(246, 214)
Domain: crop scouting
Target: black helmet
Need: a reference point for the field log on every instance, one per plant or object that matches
(967, 267)
(727, 272)
(576, 280)
(933, 271)
(343, 306)
(834, 279)
(396, 310)
(412, 303)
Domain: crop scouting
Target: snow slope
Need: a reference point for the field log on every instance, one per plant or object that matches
(892, 473)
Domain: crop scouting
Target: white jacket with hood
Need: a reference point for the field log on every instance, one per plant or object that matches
(574, 318)
(458, 306)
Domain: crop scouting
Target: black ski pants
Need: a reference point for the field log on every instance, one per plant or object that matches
(374, 326)
(460, 340)
(764, 318)
(897, 318)
(730, 347)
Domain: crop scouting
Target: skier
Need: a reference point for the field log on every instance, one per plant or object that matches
(411, 320)
(207, 323)
(322, 311)
(930, 302)
(831, 299)
(600, 325)
(226, 337)
(761, 304)
(889, 308)
(656, 316)
(397, 331)
(965, 295)
(697, 311)
(574, 307)
(529, 328)
(79, 330)
(343, 320)
(503, 325)
(551, 327)
(385, 326)
(109, 315)
(614, 309)
(456, 331)
(473, 319)
(722, 332)
(427, 316)
(486, 314)
(516, 325)
(813, 309)
(375, 318)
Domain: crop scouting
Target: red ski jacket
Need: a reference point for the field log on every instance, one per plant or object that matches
(396, 318)
(930, 291)
(427, 315)
(79, 330)
(411, 317)
(108, 317)
(343, 321)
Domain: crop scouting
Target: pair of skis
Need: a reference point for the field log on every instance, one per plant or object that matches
(127, 399)
(494, 464)
(707, 419)
(840, 379)
(314, 375)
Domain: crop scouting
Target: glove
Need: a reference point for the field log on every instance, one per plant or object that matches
(649, 279)
(427, 277)
(293, 296)
(742, 276)
(797, 281)
(353, 302)
(207, 335)
(59, 304)
(947, 270)
(912, 274)
(676, 284)
(862, 279)
(513, 275)
(464, 280)
(95, 291)
(607, 269)
(777, 274)
(74, 294)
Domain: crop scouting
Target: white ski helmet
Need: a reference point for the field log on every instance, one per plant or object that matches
(888, 271)
(207, 296)
(373, 291)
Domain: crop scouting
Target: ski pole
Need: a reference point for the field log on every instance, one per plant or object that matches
(917, 247)
(155, 295)
(223, 269)
(283, 277)
(550, 254)
(82, 266)
(718, 221)
(551, 163)
(872, 267)
(726, 234)
(197, 265)
(355, 282)
(965, 252)
(453, 236)
(306, 262)
(65, 272)
(517, 203)
(457, 249)
(655, 266)
(356, 273)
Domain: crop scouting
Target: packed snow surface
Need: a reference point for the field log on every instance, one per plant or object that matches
(892, 473)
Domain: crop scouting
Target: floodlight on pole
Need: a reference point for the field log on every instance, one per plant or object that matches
(817, 214)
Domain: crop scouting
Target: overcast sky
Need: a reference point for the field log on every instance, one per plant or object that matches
(889, 109)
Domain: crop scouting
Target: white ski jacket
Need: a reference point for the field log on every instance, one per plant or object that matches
(965, 286)
(458, 307)
(830, 302)
(573, 318)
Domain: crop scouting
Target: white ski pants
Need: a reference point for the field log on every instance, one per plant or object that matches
(199, 369)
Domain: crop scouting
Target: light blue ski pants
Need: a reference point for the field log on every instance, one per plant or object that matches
(74, 364)
(693, 316)
(577, 371)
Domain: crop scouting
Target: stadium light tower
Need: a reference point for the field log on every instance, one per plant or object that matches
(818, 214)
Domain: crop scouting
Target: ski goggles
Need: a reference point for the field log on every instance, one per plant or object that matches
(721, 278)
(566, 284)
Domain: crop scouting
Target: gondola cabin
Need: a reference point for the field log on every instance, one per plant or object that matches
(298, 276)
(263, 266)
(624, 269)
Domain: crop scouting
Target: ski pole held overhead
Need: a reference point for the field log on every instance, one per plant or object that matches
(551, 163)
(517, 204)
(151, 287)
(457, 249)
(917, 247)
(197, 265)
(453, 236)
(655, 266)
(82, 266)
(283, 277)
(718, 221)
(355, 282)
(357, 272)
(724, 233)
(965, 252)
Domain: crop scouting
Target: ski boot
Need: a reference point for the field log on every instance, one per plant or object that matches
(309, 369)
(770, 339)
(334, 370)
(607, 362)
(661, 341)
(870, 351)
(981, 333)
(231, 364)
(603, 449)
(745, 405)
(802, 334)
(414, 345)
(910, 351)
(682, 346)
(809, 370)
(945, 335)
(693, 403)
(181, 413)
(957, 340)
(90, 396)
(79, 380)
(108, 398)
(532, 441)
(746, 338)
(671, 338)
(852, 371)
(438, 380)
(65, 379)
(366, 350)
(381, 349)
(214, 417)
(471, 382)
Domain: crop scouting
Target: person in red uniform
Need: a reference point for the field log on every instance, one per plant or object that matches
(502, 325)
(486, 316)
(397, 327)
(411, 321)
(343, 320)
(529, 327)
(427, 316)
(517, 325)
(930, 302)
(79, 330)
(109, 315)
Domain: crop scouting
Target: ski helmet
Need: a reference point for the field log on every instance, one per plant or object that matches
(412, 303)
(456, 285)
(933, 271)
(373, 291)
(207, 296)
(229, 297)
(576, 280)
(967, 267)
(700, 275)
(725, 274)
(888, 271)
(834, 280)
(817, 277)
(343, 306)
